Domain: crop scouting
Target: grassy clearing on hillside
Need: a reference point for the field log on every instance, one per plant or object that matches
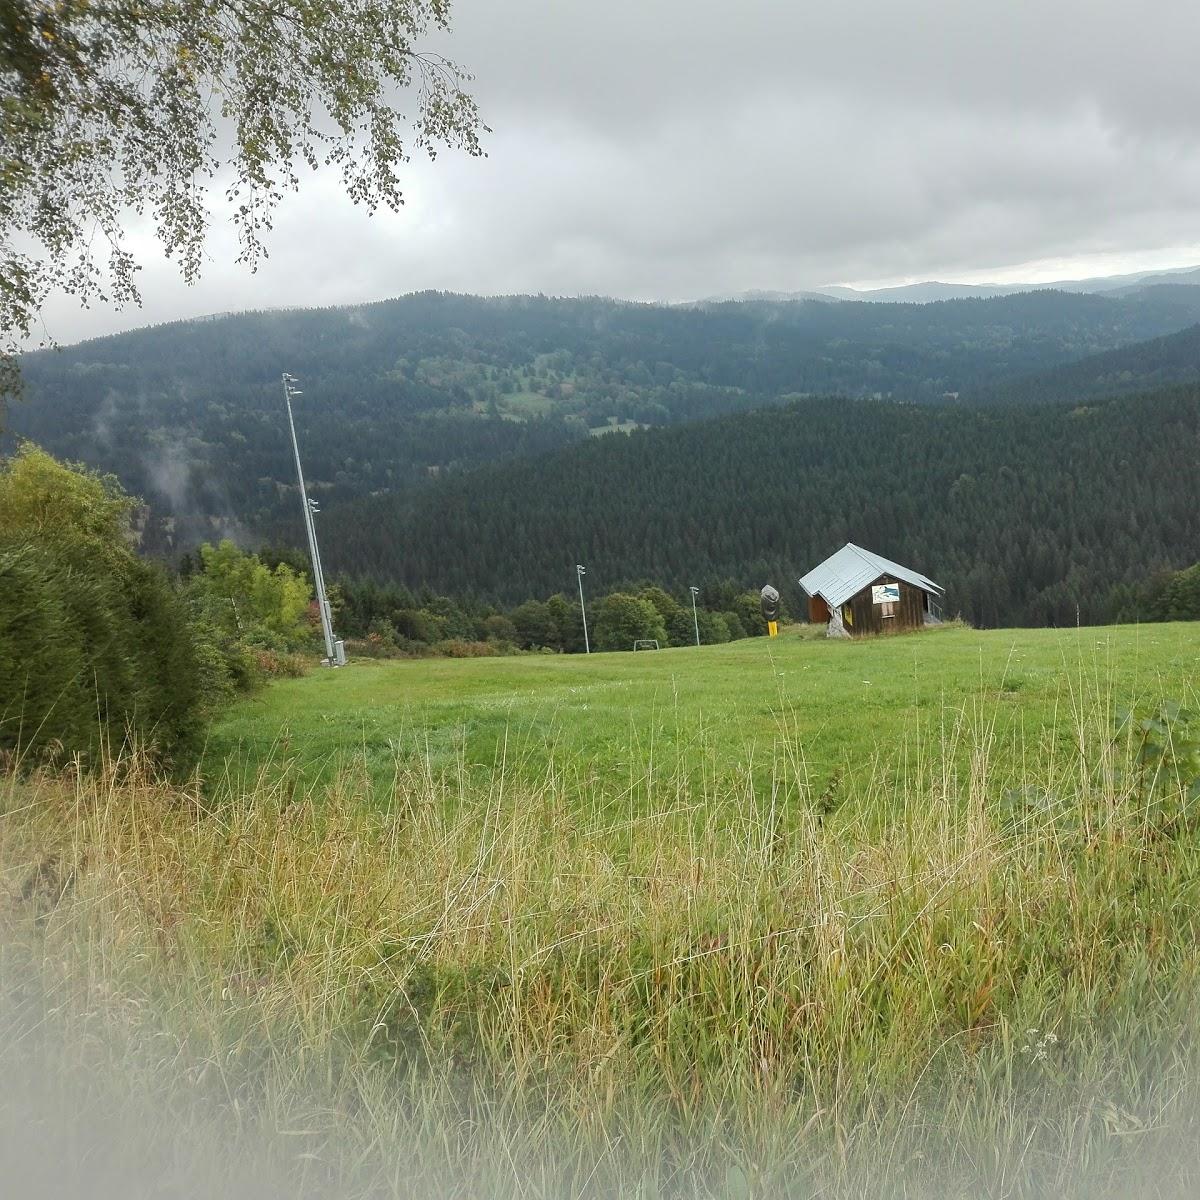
(962, 973)
(712, 715)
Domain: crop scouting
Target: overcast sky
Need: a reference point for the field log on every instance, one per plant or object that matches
(674, 149)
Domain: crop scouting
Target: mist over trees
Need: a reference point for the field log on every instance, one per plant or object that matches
(447, 440)
(400, 394)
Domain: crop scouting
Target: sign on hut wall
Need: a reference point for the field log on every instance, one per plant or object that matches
(885, 593)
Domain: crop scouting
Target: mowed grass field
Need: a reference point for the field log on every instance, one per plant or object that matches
(799, 705)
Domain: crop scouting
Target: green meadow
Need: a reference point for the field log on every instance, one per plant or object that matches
(830, 711)
(913, 917)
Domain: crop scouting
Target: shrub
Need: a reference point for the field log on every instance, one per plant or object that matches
(460, 648)
(95, 644)
(419, 625)
(87, 657)
(733, 623)
(498, 628)
(370, 647)
(533, 624)
(713, 629)
(1176, 596)
(382, 632)
(277, 664)
(43, 696)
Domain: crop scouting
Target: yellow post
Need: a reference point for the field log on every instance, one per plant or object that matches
(772, 628)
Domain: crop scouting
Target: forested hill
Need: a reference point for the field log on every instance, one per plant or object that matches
(1033, 516)
(190, 415)
(1144, 366)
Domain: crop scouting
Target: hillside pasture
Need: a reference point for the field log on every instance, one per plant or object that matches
(796, 714)
(905, 917)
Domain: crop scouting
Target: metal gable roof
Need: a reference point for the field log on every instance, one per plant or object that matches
(851, 569)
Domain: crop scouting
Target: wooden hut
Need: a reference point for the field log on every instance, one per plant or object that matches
(858, 592)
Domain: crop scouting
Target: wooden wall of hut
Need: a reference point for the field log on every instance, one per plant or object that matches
(863, 616)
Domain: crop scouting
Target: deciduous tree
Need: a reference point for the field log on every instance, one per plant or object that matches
(241, 595)
(115, 109)
(624, 619)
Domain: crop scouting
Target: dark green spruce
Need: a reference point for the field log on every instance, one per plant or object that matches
(1027, 515)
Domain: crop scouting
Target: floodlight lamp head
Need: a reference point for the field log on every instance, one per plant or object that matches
(580, 569)
(694, 590)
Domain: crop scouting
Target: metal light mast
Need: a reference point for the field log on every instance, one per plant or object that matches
(695, 619)
(335, 656)
(581, 571)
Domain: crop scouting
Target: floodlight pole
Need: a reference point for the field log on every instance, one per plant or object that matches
(314, 509)
(695, 619)
(289, 391)
(580, 572)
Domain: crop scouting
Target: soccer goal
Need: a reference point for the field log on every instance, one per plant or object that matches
(646, 644)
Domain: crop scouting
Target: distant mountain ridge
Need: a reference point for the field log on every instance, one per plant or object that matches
(932, 291)
(404, 392)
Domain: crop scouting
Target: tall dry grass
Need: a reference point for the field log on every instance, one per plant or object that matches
(951, 980)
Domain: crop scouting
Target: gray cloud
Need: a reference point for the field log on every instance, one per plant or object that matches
(677, 148)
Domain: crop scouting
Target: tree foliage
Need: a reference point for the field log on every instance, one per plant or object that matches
(399, 619)
(248, 601)
(95, 643)
(1028, 516)
(624, 619)
(45, 501)
(401, 394)
(1141, 367)
(113, 107)
(1169, 596)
